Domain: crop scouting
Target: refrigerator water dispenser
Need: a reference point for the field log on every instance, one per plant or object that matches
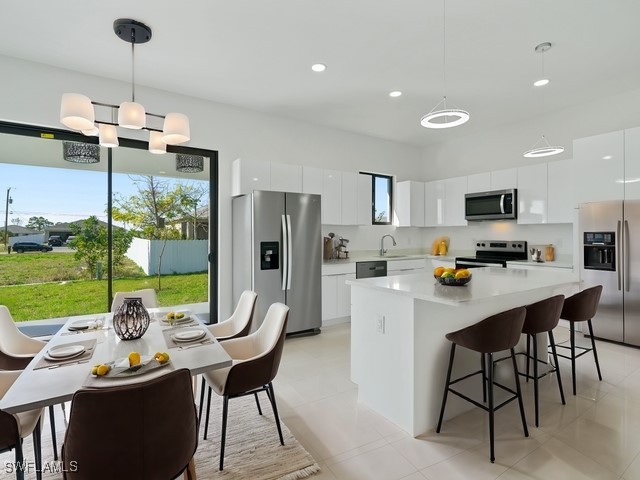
(269, 255)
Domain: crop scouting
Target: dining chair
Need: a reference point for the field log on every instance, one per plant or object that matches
(14, 428)
(237, 325)
(16, 351)
(148, 296)
(255, 363)
(145, 431)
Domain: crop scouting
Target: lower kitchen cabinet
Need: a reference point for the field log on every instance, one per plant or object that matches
(405, 267)
(336, 296)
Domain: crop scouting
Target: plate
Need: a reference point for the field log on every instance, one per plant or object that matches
(146, 365)
(79, 325)
(188, 335)
(186, 318)
(63, 352)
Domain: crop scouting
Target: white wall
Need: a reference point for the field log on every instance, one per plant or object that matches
(503, 147)
(30, 93)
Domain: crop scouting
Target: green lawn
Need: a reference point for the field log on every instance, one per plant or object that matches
(51, 300)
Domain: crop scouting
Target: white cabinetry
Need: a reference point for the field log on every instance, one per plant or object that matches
(434, 203)
(410, 204)
(286, 178)
(250, 175)
(365, 192)
(532, 194)
(405, 267)
(331, 197)
(504, 179)
(454, 191)
(435, 263)
(480, 182)
(336, 296)
(312, 180)
(561, 200)
(349, 199)
(632, 164)
(599, 165)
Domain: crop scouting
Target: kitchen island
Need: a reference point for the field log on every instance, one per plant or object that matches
(399, 352)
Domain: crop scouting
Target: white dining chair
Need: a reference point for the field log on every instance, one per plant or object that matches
(148, 296)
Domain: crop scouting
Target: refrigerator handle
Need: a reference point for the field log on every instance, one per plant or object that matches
(285, 256)
(290, 252)
(618, 253)
(626, 255)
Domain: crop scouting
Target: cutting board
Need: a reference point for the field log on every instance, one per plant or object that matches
(436, 243)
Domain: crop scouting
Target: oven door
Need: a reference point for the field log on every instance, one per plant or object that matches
(470, 262)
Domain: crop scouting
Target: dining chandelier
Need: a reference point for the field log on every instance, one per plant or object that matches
(79, 152)
(442, 116)
(542, 147)
(189, 163)
(77, 111)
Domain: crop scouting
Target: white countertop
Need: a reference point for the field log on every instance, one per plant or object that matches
(486, 283)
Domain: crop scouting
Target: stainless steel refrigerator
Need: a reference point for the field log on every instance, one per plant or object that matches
(610, 238)
(277, 252)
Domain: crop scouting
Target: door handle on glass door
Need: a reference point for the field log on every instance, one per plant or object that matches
(617, 252)
(627, 250)
(285, 249)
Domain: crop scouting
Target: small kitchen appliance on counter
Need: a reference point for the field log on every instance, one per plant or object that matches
(494, 253)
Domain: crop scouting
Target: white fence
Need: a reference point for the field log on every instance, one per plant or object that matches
(180, 256)
(34, 237)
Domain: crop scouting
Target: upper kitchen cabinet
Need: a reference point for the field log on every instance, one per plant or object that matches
(434, 203)
(504, 179)
(599, 165)
(365, 199)
(312, 180)
(286, 178)
(632, 164)
(480, 182)
(410, 204)
(454, 191)
(250, 175)
(532, 194)
(349, 198)
(331, 197)
(561, 200)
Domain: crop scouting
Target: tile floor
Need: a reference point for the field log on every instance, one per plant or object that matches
(596, 435)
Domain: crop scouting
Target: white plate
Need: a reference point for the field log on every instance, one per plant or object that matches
(79, 325)
(63, 352)
(186, 318)
(188, 335)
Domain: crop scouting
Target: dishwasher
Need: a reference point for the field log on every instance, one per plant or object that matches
(376, 268)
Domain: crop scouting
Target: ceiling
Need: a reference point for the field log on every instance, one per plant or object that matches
(257, 54)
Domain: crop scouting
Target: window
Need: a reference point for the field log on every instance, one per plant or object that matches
(381, 198)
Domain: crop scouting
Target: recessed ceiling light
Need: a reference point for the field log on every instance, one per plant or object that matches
(318, 67)
(541, 83)
(607, 157)
(395, 93)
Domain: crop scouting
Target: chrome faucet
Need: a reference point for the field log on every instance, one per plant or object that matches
(382, 250)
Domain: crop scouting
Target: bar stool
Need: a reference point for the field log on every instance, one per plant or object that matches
(493, 334)
(581, 307)
(542, 317)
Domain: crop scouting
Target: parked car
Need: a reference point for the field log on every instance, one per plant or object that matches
(70, 238)
(55, 241)
(21, 247)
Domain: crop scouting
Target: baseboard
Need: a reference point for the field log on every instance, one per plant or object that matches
(336, 321)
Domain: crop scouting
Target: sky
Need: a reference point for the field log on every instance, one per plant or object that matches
(59, 195)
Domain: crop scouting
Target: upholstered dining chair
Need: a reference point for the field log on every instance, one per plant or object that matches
(256, 359)
(237, 325)
(145, 431)
(148, 296)
(16, 351)
(13, 428)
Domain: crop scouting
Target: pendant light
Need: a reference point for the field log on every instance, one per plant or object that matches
(542, 147)
(77, 111)
(442, 116)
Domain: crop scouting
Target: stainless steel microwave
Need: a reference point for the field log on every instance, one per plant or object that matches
(494, 205)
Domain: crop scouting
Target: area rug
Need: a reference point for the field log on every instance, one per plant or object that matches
(253, 449)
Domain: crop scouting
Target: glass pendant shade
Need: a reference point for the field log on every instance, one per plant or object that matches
(176, 129)
(78, 152)
(156, 145)
(189, 163)
(131, 115)
(76, 111)
(108, 135)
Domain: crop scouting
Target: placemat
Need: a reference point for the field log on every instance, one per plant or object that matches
(171, 343)
(89, 346)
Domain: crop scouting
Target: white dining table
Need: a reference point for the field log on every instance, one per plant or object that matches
(38, 388)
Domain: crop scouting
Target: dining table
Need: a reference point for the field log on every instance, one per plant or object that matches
(48, 380)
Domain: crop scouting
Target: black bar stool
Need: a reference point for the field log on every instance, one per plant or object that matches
(542, 317)
(493, 334)
(581, 307)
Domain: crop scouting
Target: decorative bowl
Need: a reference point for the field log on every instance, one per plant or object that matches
(453, 282)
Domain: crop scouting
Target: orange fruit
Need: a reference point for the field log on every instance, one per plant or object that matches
(438, 271)
(462, 273)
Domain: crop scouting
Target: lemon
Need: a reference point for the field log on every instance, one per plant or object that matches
(447, 275)
(162, 357)
(449, 270)
(179, 315)
(438, 271)
(134, 359)
(171, 315)
(94, 370)
(102, 370)
(462, 274)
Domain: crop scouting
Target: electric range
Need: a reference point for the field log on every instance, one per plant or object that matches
(494, 253)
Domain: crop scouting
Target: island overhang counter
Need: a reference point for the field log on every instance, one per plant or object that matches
(399, 352)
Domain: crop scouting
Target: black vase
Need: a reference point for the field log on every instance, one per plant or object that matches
(131, 319)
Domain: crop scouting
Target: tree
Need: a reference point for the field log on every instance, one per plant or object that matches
(16, 221)
(155, 203)
(191, 200)
(38, 223)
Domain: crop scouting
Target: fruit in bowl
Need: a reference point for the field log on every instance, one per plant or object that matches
(451, 276)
